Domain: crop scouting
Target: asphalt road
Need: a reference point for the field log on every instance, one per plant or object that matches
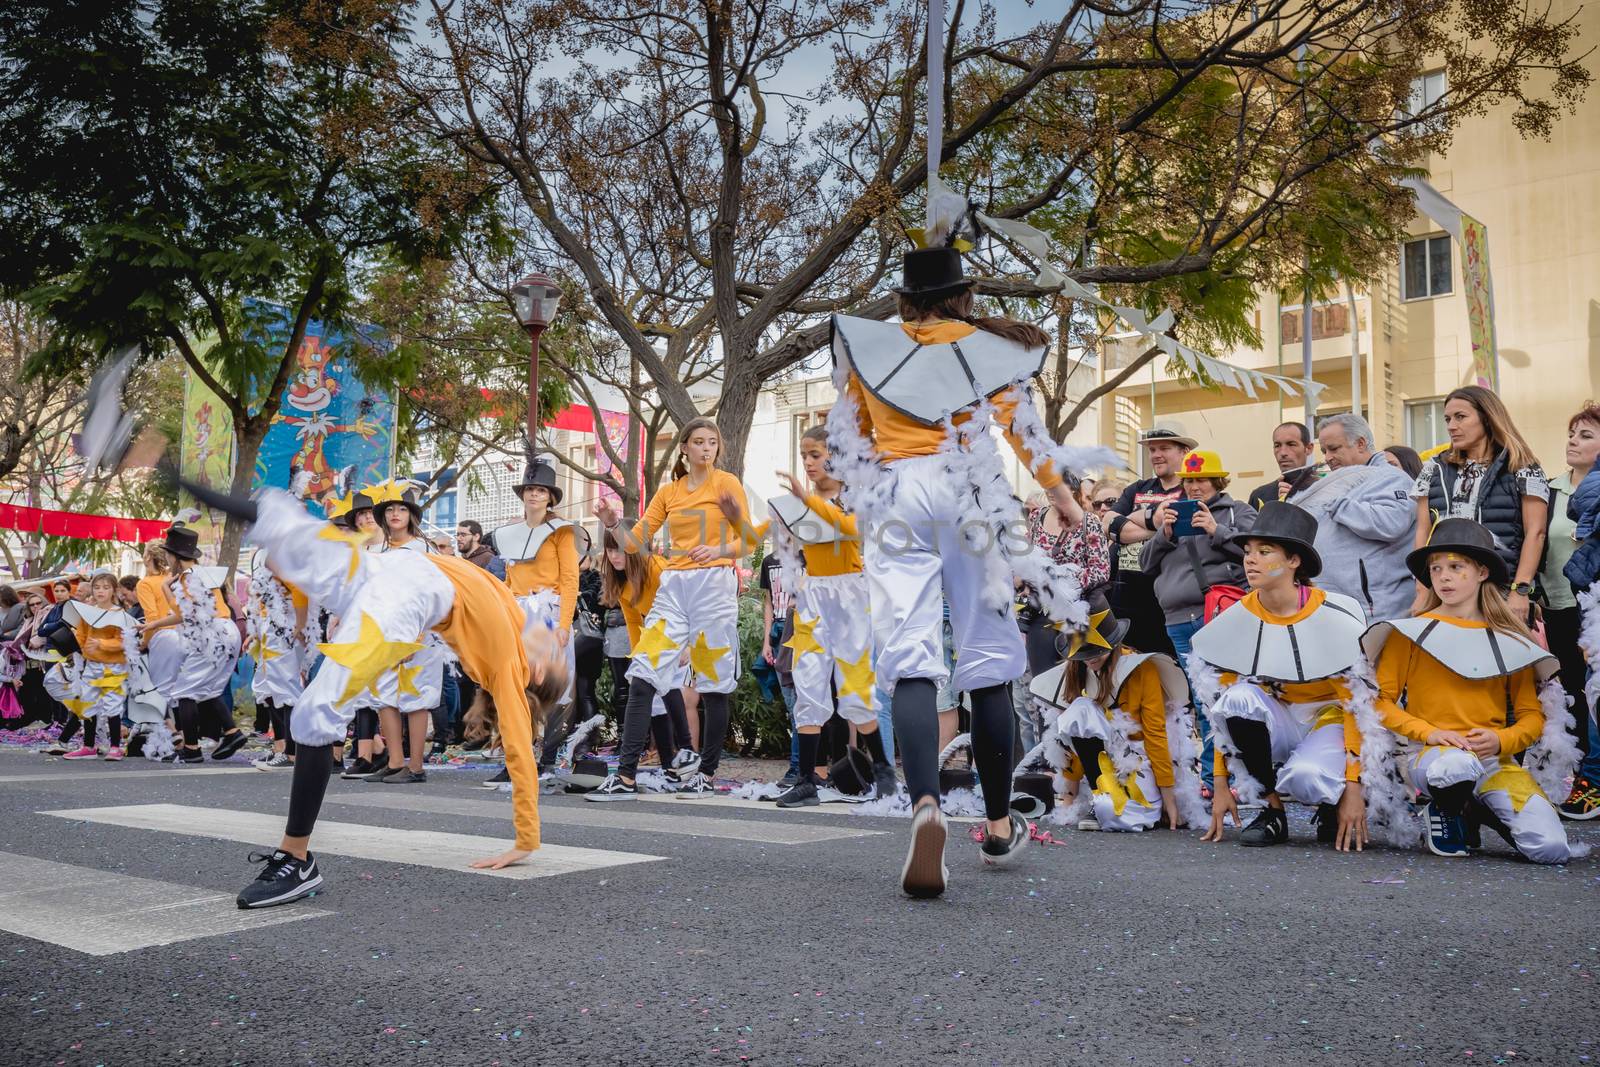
(756, 936)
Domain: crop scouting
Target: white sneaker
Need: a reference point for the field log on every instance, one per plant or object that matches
(684, 764)
(272, 761)
(613, 788)
(1089, 825)
(924, 874)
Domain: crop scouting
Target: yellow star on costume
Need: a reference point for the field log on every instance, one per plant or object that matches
(109, 681)
(859, 677)
(805, 636)
(262, 652)
(654, 643)
(367, 657)
(704, 656)
(1091, 637)
(77, 707)
(1517, 783)
(356, 541)
(407, 680)
(1107, 783)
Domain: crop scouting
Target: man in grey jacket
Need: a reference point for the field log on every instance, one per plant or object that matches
(1365, 520)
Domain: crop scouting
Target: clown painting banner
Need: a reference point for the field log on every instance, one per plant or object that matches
(328, 421)
(206, 452)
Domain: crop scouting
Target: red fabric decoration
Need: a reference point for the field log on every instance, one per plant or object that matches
(78, 524)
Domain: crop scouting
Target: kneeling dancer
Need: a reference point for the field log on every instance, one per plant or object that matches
(1286, 652)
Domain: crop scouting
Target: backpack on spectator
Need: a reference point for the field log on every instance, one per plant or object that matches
(1219, 597)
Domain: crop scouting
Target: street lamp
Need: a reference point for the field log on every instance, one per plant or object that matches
(535, 300)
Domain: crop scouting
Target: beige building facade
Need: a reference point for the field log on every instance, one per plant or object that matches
(1407, 334)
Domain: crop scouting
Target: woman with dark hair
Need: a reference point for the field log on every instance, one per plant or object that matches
(1404, 458)
(1489, 475)
(1563, 618)
(11, 613)
(909, 436)
(695, 614)
(37, 703)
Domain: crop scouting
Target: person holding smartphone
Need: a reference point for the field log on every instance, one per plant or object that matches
(1191, 551)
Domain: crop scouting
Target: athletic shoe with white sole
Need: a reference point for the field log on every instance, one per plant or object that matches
(284, 878)
(229, 744)
(1447, 834)
(696, 786)
(612, 788)
(803, 794)
(683, 765)
(924, 874)
(496, 780)
(1584, 802)
(272, 761)
(1002, 853)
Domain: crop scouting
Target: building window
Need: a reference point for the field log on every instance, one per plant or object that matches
(1425, 424)
(1425, 268)
(1427, 90)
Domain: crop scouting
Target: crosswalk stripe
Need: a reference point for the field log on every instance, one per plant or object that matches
(119, 773)
(102, 913)
(422, 848)
(614, 817)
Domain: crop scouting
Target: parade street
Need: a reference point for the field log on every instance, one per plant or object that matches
(666, 931)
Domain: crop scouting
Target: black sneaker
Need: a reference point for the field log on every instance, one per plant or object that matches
(1327, 820)
(230, 744)
(284, 878)
(1271, 827)
(613, 788)
(383, 772)
(404, 776)
(500, 778)
(185, 756)
(998, 853)
(803, 794)
(358, 768)
(475, 746)
(924, 874)
(784, 784)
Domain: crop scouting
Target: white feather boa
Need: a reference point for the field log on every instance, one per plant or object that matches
(1385, 786)
(200, 638)
(1183, 744)
(1589, 642)
(1205, 682)
(1554, 757)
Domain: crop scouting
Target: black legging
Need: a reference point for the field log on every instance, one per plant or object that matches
(1088, 750)
(313, 765)
(916, 734)
(366, 724)
(1255, 749)
(278, 717)
(202, 718)
(638, 724)
(1561, 628)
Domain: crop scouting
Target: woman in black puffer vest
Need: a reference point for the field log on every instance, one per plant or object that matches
(1490, 475)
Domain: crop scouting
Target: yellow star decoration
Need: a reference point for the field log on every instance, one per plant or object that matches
(356, 541)
(406, 684)
(111, 682)
(1518, 784)
(654, 642)
(1092, 636)
(262, 652)
(703, 657)
(805, 637)
(859, 677)
(367, 657)
(77, 707)
(1107, 783)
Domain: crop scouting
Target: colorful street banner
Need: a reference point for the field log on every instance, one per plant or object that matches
(329, 420)
(1472, 237)
(205, 452)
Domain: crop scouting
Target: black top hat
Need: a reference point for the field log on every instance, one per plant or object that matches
(1465, 538)
(539, 473)
(932, 272)
(407, 498)
(1104, 635)
(182, 542)
(1292, 527)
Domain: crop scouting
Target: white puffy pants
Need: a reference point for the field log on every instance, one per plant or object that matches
(692, 632)
(1505, 789)
(1129, 802)
(210, 649)
(916, 557)
(836, 662)
(544, 609)
(1307, 741)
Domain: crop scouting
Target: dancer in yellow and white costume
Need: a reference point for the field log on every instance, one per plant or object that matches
(910, 439)
(1468, 674)
(93, 684)
(277, 645)
(1283, 721)
(693, 626)
(542, 553)
(1122, 725)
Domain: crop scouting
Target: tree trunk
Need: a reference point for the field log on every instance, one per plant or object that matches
(247, 445)
(735, 413)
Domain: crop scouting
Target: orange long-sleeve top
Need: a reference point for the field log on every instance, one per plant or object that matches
(636, 604)
(898, 436)
(835, 557)
(99, 644)
(693, 517)
(554, 566)
(1328, 691)
(484, 628)
(155, 598)
(222, 605)
(1437, 698)
(1143, 698)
